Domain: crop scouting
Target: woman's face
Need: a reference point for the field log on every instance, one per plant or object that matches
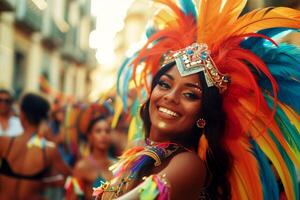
(100, 137)
(60, 116)
(175, 102)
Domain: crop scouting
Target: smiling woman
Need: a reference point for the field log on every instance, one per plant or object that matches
(175, 113)
(174, 100)
(214, 120)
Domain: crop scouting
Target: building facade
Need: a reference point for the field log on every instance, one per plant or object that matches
(44, 46)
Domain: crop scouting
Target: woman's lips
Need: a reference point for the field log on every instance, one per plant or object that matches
(167, 112)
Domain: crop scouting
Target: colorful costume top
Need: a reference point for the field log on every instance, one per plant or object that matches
(258, 79)
(127, 171)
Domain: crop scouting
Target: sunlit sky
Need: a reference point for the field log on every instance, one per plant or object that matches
(110, 19)
(110, 16)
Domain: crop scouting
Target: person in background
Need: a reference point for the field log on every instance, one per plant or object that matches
(92, 170)
(28, 159)
(55, 134)
(10, 124)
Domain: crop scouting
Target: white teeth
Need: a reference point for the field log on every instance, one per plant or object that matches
(169, 112)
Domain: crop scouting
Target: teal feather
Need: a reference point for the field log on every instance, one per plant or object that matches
(284, 64)
(270, 186)
(120, 73)
(135, 107)
(123, 79)
(125, 90)
(289, 164)
(150, 31)
(255, 43)
(188, 7)
(288, 130)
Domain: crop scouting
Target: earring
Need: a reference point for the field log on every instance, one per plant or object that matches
(203, 147)
(201, 123)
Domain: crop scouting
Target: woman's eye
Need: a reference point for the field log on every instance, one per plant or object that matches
(191, 96)
(163, 84)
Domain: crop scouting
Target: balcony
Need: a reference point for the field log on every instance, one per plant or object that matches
(7, 5)
(28, 14)
(85, 7)
(70, 49)
(51, 33)
(74, 53)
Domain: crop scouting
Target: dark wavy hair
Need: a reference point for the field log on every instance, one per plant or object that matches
(219, 160)
(94, 121)
(35, 108)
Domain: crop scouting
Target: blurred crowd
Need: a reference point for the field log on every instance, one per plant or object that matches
(57, 150)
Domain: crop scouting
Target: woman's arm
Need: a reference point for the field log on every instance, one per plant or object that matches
(58, 163)
(77, 187)
(183, 178)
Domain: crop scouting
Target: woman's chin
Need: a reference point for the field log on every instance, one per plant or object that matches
(165, 127)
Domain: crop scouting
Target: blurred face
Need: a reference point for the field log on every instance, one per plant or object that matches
(175, 103)
(100, 137)
(60, 116)
(5, 104)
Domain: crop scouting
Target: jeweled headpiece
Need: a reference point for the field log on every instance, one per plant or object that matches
(196, 58)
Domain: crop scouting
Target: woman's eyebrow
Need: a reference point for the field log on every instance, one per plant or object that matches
(169, 76)
(193, 85)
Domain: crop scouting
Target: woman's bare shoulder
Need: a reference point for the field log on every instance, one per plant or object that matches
(189, 162)
(186, 173)
(81, 168)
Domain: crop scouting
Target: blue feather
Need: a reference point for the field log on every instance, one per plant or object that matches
(255, 43)
(150, 31)
(289, 164)
(135, 107)
(288, 92)
(120, 72)
(188, 7)
(126, 74)
(108, 107)
(284, 64)
(270, 187)
(127, 79)
(288, 130)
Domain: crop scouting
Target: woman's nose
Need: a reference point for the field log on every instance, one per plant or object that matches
(172, 96)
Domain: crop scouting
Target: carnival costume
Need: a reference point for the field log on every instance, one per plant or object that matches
(258, 79)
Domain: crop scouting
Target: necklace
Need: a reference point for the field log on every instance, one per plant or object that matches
(135, 159)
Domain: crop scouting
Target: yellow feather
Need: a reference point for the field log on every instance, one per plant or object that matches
(118, 110)
(208, 10)
(261, 122)
(132, 129)
(245, 168)
(164, 18)
(215, 16)
(292, 115)
(231, 10)
(270, 149)
(266, 18)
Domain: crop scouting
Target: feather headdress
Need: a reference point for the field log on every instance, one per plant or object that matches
(262, 102)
